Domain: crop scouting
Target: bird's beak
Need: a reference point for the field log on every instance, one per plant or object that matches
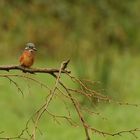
(34, 49)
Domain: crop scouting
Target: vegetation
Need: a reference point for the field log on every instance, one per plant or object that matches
(101, 37)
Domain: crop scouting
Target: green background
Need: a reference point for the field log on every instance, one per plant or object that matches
(102, 39)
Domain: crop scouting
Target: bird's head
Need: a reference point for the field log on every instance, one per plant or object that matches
(30, 47)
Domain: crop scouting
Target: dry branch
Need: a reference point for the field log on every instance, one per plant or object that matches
(33, 70)
(69, 93)
(50, 98)
(76, 108)
(20, 136)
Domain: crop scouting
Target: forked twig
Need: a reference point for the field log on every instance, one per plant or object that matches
(52, 94)
(66, 92)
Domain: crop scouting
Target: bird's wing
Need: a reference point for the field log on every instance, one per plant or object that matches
(21, 58)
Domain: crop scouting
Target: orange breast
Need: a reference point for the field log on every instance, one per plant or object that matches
(26, 59)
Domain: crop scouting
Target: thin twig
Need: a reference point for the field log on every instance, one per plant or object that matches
(77, 109)
(40, 112)
(84, 91)
(16, 137)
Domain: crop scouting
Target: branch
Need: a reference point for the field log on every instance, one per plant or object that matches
(76, 108)
(35, 70)
(132, 131)
(45, 106)
(66, 92)
(16, 137)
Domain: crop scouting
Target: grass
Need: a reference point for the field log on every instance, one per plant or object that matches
(124, 82)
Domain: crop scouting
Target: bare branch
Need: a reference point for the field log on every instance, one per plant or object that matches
(69, 119)
(67, 93)
(12, 81)
(77, 109)
(16, 137)
(34, 70)
(40, 112)
(132, 131)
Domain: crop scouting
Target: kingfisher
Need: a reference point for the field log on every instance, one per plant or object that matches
(28, 55)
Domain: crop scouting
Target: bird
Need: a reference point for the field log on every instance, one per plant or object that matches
(28, 56)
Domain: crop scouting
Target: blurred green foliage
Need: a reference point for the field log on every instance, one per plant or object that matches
(90, 32)
(102, 38)
(82, 26)
(93, 33)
